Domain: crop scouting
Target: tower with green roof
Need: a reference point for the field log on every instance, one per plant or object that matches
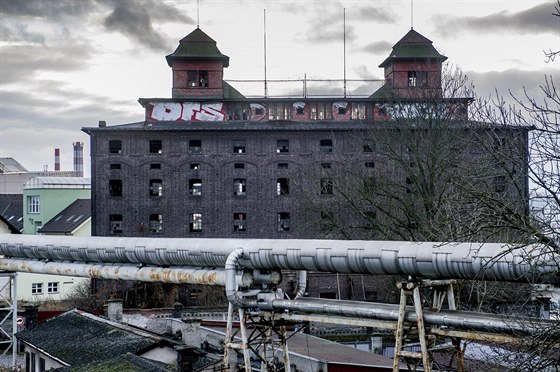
(413, 69)
(198, 67)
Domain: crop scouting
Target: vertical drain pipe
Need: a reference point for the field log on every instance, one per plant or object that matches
(231, 271)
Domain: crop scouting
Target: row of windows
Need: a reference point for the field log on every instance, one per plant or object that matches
(239, 187)
(37, 288)
(155, 225)
(238, 147)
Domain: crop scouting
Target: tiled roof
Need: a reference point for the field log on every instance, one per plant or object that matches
(11, 211)
(79, 338)
(69, 219)
(197, 45)
(127, 362)
(413, 46)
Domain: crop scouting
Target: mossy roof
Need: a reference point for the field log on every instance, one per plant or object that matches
(413, 46)
(79, 338)
(197, 45)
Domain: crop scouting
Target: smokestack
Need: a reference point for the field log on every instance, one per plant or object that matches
(56, 159)
(78, 158)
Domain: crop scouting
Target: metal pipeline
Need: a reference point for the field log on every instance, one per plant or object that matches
(465, 320)
(430, 260)
(231, 271)
(302, 283)
(123, 272)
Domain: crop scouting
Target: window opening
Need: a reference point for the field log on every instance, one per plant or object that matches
(33, 204)
(239, 186)
(52, 287)
(116, 223)
(326, 186)
(114, 166)
(115, 187)
(282, 146)
(156, 147)
(115, 146)
(195, 146)
(239, 147)
(195, 187)
(239, 165)
(156, 223)
(37, 288)
(195, 222)
(283, 220)
(155, 166)
(156, 187)
(325, 145)
(282, 186)
(239, 222)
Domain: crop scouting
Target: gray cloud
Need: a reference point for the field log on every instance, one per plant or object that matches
(378, 47)
(132, 19)
(44, 8)
(374, 15)
(511, 82)
(22, 63)
(538, 19)
(18, 32)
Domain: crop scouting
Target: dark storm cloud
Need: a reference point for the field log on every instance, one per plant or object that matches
(44, 8)
(378, 47)
(135, 20)
(538, 19)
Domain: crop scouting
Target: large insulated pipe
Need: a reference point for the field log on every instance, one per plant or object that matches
(122, 271)
(465, 320)
(489, 261)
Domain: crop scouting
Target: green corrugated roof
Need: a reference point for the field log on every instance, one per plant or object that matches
(197, 45)
(413, 46)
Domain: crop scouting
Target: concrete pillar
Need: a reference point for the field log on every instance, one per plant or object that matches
(115, 310)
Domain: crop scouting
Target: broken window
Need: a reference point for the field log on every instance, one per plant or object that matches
(195, 222)
(326, 186)
(358, 111)
(239, 147)
(156, 223)
(325, 145)
(115, 187)
(195, 146)
(156, 187)
(239, 186)
(368, 147)
(282, 146)
(283, 165)
(194, 166)
(195, 187)
(326, 165)
(283, 220)
(239, 222)
(155, 166)
(114, 166)
(116, 223)
(282, 186)
(239, 165)
(417, 78)
(197, 78)
(115, 146)
(155, 147)
(369, 164)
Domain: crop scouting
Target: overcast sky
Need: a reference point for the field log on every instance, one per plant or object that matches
(66, 64)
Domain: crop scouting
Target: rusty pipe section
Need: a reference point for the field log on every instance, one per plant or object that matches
(122, 272)
(430, 260)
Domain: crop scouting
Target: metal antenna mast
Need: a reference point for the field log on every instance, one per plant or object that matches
(411, 14)
(344, 43)
(197, 13)
(264, 34)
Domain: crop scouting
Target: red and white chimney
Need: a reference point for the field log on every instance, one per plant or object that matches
(56, 159)
(78, 158)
